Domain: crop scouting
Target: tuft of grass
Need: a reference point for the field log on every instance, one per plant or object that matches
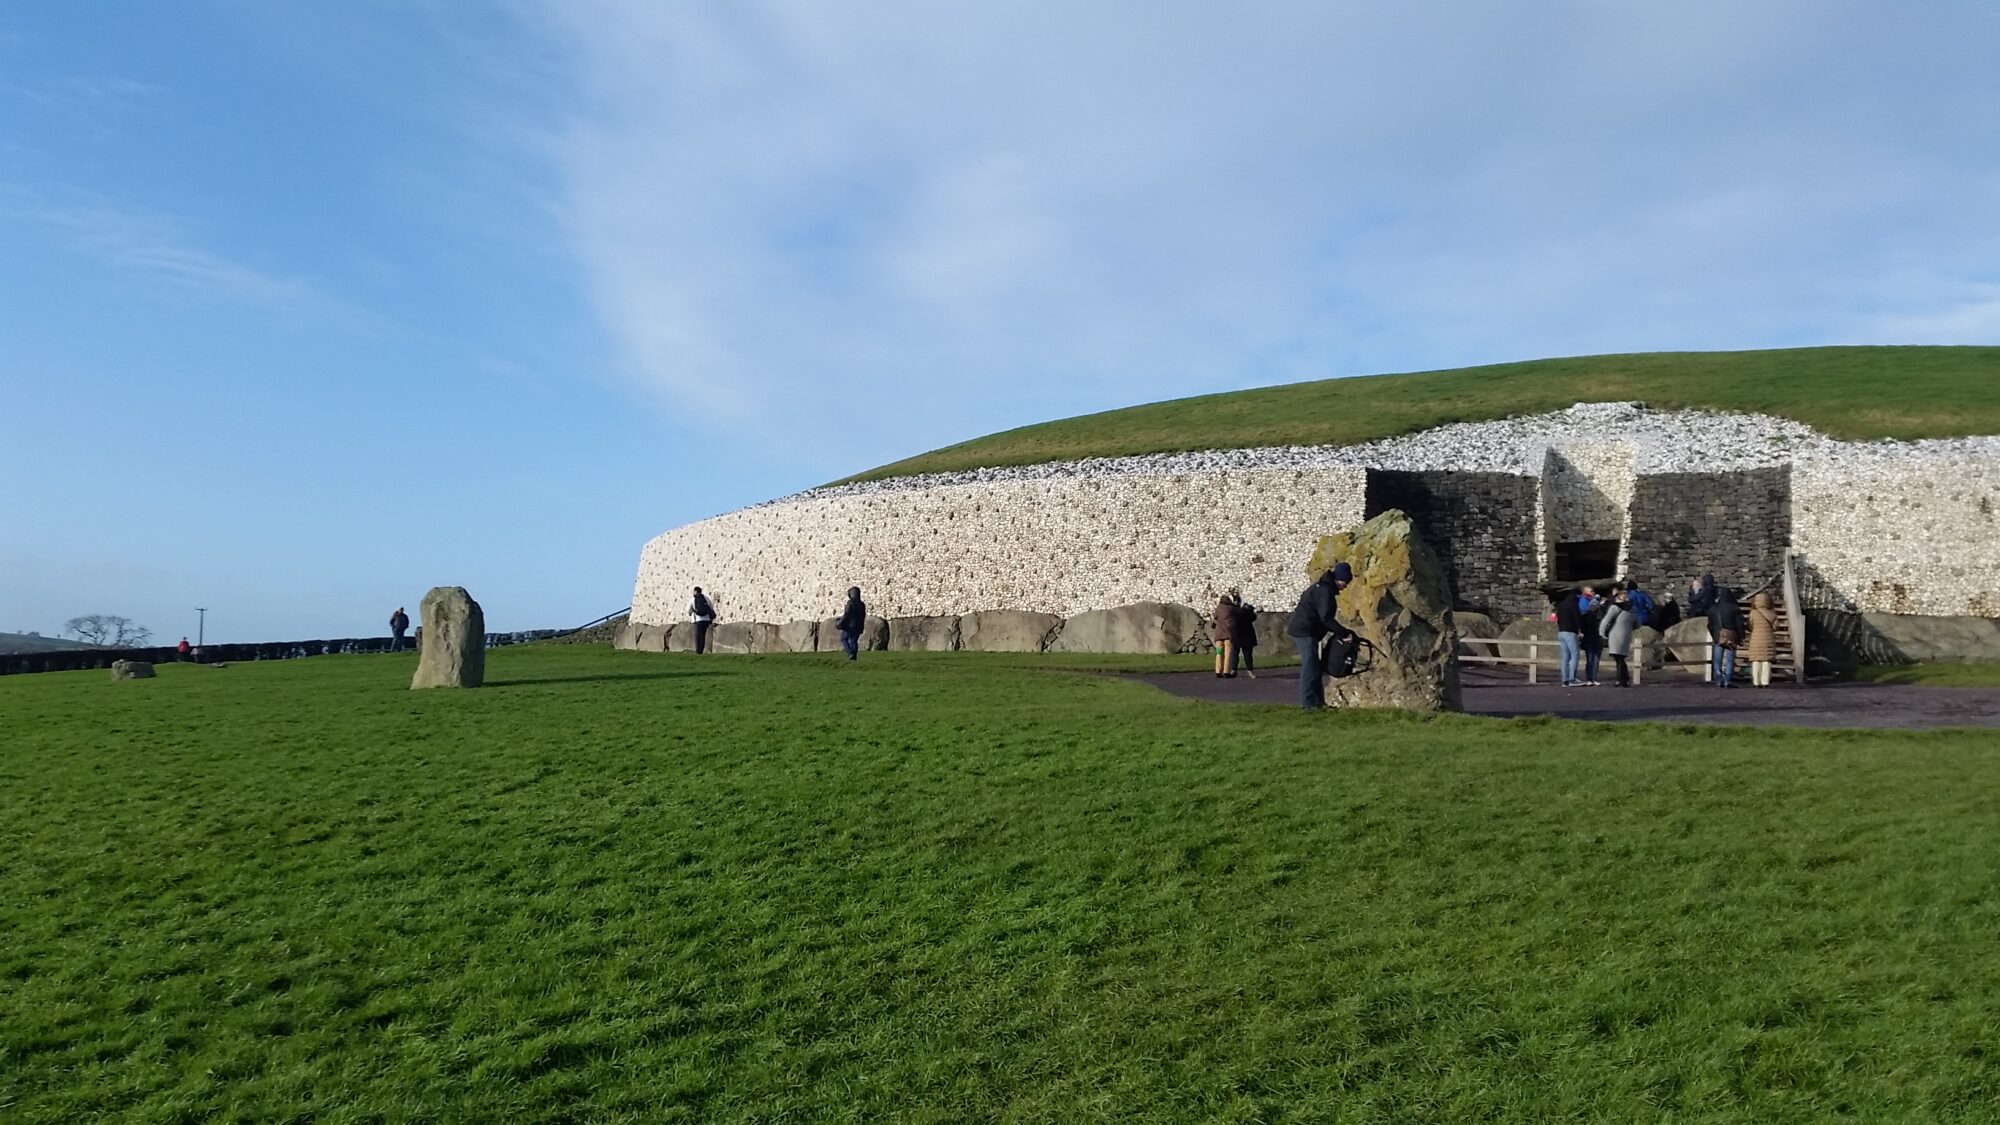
(620, 886)
(1855, 393)
(1931, 675)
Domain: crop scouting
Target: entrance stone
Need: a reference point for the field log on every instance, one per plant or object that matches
(1401, 602)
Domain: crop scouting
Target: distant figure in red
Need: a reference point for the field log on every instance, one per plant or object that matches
(399, 623)
(183, 649)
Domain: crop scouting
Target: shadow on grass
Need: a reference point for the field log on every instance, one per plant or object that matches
(601, 677)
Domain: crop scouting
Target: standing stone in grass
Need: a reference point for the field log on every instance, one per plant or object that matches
(131, 670)
(454, 647)
(1400, 601)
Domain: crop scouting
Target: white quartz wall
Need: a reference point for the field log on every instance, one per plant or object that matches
(1050, 544)
(1904, 529)
(1894, 527)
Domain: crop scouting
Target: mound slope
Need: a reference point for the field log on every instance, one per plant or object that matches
(1853, 393)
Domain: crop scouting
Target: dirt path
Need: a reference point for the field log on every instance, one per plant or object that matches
(1679, 699)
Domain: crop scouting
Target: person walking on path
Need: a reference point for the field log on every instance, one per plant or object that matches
(1616, 631)
(1760, 646)
(1245, 632)
(1569, 627)
(1310, 623)
(399, 623)
(853, 619)
(1222, 629)
(701, 611)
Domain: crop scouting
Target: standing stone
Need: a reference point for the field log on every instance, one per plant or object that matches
(454, 648)
(1401, 601)
(131, 670)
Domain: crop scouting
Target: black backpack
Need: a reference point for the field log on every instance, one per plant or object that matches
(1341, 655)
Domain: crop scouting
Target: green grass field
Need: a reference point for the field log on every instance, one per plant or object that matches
(1853, 393)
(630, 887)
(1931, 675)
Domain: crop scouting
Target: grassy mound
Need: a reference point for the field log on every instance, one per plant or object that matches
(1854, 393)
(628, 887)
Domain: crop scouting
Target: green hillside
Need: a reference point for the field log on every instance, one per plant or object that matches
(1854, 393)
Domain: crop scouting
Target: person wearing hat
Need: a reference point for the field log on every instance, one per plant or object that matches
(1309, 625)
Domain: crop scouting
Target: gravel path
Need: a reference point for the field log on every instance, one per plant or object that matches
(1680, 699)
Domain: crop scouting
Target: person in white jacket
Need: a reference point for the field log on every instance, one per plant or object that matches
(1616, 629)
(701, 611)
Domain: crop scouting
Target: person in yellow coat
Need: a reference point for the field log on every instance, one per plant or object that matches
(1760, 648)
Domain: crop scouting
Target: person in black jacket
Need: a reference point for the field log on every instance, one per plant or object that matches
(1725, 631)
(399, 623)
(1569, 634)
(852, 620)
(1717, 603)
(1246, 636)
(1312, 622)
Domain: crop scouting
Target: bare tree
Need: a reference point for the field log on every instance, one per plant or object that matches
(108, 630)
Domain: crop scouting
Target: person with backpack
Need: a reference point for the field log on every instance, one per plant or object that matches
(853, 619)
(1725, 626)
(702, 612)
(1245, 632)
(399, 623)
(1591, 639)
(1616, 630)
(1311, 622)
(1640, 604)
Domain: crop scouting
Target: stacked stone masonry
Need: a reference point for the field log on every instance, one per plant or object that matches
(1890, 527)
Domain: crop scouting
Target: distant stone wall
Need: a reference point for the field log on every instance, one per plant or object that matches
(1482, 527)
(1896, 535)
(1735, 525)
(1056, 544)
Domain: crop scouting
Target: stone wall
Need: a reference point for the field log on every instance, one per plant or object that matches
(1735, 525)
(1882, 527)
(1057, 544)
(1889, 535)
(1482, 526)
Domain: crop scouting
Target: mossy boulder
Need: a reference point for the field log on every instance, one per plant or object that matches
(1401, 602)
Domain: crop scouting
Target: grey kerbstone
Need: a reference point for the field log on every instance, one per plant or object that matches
(798, 636)
(923, 634)
(1141, 627)
(743, 637)
(454, 645)
(1004, 630)
(1938, 639)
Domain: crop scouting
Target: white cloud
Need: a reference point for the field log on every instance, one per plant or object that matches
(924, 221)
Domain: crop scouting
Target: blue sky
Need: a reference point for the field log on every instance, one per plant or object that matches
(305, 308)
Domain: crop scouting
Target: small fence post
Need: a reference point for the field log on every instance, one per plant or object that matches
(1534, 656)
(1638, 661)
(1708, 663)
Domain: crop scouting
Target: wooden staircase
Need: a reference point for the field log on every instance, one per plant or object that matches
(1788, 652)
